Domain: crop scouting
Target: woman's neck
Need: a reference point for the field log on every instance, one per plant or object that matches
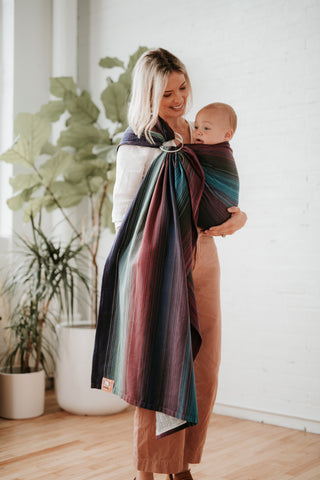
(181, 126)
(175, 123)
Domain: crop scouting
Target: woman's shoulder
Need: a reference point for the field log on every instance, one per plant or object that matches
(136, 154)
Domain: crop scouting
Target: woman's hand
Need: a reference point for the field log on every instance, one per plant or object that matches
(234, 223)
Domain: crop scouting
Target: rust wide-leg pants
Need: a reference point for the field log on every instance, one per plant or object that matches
(172, 453)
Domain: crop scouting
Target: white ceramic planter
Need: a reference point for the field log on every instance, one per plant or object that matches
(73, 374)
(22, 395)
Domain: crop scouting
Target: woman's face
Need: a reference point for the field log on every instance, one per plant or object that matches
(174, 100)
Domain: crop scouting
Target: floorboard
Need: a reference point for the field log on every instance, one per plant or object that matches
(61, 446)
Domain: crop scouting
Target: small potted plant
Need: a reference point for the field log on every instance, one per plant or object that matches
(41, 286)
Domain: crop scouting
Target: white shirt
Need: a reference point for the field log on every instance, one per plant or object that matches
(132, 165)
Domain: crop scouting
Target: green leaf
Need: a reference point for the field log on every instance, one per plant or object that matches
(117, 132)
(135, 57)
(95, 184)
(52, 111)
(111, 174)
(55, 166)
(81, 108)
(33, 134)
(86, 153)
(34, 206)
(109, 152)
(48, 149)
(78, 136)
(105, 137)
(106, 214)
(16, 203)
(17, 154)
(35, 130)
(69, 194)
(83, 170)
(100, 149)
(24, 181)
(115, 100)
(60, 85)
(110, 62)
(126, 80)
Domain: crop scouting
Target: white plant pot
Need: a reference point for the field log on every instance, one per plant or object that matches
(22, 395)
(73, 374)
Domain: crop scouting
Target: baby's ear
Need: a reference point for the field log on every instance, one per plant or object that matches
(228, 135)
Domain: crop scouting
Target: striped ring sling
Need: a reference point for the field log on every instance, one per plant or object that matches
(147, 332)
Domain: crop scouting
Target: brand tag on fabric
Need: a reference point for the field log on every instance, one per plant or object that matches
(107, 385)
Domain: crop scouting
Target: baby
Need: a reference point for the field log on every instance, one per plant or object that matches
(214, 123)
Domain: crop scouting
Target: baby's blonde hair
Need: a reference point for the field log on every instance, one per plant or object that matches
(228, 110)
(150, 79)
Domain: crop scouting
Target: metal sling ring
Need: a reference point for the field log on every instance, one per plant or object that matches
(165, 148)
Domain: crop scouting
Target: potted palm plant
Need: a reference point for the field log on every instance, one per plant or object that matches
(40, 286)
(79, 168)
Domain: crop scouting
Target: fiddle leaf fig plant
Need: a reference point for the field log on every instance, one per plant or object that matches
(80, 165)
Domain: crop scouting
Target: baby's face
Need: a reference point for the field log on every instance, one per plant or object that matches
(210, 127)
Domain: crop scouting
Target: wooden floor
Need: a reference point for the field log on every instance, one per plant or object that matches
(63, 446)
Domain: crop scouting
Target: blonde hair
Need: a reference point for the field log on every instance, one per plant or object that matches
(150, 79)
(228, 110)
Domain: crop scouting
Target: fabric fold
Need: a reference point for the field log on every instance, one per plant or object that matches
(147, 332)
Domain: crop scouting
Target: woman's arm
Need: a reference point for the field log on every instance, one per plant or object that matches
(132, 164)
(235, 222)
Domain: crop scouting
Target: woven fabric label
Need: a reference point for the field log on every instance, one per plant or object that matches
(107, 385)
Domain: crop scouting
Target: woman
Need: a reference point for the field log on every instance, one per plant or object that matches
(161, 87)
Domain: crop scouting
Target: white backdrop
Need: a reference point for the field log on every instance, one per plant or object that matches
(262, 57)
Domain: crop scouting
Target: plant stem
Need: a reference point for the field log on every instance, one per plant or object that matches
(94, 291)
(103, 196)
(97, 220)
(26, 359)
(39, 344)
(75, 230)
(42, 316)
(56, 201)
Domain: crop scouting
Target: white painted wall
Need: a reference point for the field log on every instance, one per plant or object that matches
(32, 61)
(263, 57)
(6, 113)
(32, 54)
(25, 67)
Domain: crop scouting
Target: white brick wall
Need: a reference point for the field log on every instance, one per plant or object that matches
(263, 57)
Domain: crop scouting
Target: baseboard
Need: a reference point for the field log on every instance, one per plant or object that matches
(297, 423)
